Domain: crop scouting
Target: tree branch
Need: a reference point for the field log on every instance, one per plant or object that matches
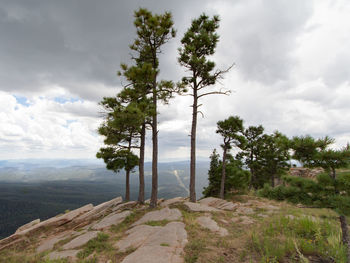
(215, 92)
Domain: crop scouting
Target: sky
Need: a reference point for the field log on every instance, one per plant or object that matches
(59, 58)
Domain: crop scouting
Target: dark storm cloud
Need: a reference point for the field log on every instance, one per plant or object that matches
(75, 44)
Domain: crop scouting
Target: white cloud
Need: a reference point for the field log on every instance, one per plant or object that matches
(47, 128)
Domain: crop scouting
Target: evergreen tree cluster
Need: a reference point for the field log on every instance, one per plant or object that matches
(259, 158)
(134, 110)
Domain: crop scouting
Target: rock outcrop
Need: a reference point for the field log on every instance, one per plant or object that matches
(135, 233)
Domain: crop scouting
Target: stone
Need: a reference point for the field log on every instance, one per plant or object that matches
(126, 205)
(52, 222)
(155, 254)
(136, 236)
(61, 219)
(29, 225)
(271, 207)
(98, 211)
(218, 203)
(63, 254)
(159, 215)
(245, 210)
(207, 222)
(112, 219)
(148, 201)
(80, 240)
(49, 243)
(197, 207)
(172, 201)
(155, 244)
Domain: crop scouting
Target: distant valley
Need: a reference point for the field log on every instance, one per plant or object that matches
(31, 189)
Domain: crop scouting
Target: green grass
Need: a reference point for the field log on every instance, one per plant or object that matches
(97, 244)
(130, 219)
(157, 223)
(165, 245)
(18, 257)
(283, 237)
(196, 242)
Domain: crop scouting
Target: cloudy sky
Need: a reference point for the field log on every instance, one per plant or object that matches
(59, 58)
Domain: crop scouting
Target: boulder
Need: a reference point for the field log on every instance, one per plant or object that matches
(159, 215)
(207, 222)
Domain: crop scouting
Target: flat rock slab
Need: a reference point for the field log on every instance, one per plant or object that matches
(52, 222)
(155, 254)
(218, 203)
(99, 210)
(113, 219)
(159, 215)
(49, 243)
(126, 205)
(155, 244)
(63, 254)
(81, 240)
(172, 201)
(207, 222)
(197, 207)
(29, 225)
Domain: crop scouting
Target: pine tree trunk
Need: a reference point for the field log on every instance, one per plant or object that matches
(141, 198)
(193, 146)
(127, 185)
(252, 173)
(223, 174)
(345, 236)
(154, 194)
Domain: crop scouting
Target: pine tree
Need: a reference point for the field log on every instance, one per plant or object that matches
(198, 43)
(236, 177)
(231, 130)
(274, 157)
(153, 31)
(250, 151)
(121, 129)
(139, 78)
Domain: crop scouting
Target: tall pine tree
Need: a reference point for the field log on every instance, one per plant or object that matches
(198, 43)
(153, 31)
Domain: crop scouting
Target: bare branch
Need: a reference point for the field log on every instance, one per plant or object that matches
(227, 92)
(201, 113)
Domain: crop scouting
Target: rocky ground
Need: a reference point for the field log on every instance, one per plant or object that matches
(211, 230)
